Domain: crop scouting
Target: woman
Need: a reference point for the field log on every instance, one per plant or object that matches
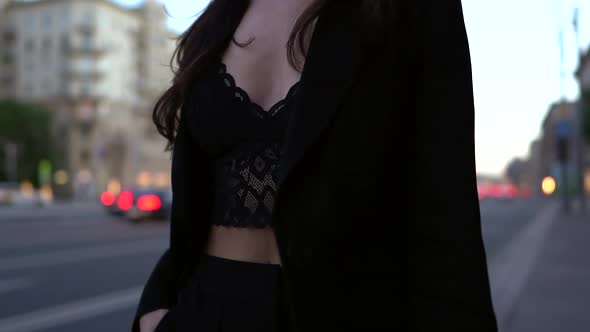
(327, 185)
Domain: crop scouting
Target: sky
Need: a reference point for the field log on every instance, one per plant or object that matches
(515, 56)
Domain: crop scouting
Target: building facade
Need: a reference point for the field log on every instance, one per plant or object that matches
(583, 76)
(99, 67)
(550, 164)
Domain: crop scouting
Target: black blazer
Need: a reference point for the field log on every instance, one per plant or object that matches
(378, 222)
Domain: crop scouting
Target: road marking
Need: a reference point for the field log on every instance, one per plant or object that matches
(510, 269)
(81, 254)
(70, 312)
(9, 285)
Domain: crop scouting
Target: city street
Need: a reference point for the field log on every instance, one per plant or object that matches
(83, 270)
(64, 273)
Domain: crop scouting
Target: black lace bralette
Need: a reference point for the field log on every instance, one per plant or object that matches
(246, 142)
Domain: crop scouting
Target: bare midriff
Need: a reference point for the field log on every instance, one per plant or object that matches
(244, 244)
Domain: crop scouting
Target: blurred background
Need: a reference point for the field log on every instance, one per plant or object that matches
(85, 185)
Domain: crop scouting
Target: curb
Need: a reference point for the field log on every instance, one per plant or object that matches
(510, 270)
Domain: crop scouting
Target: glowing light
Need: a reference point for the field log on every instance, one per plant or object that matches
(587, 181)
(162, 179)
(84, 176)
(46, 193)
(26, 187)
(114, 186)
(107, 198)
(144, 179)
(125, 200)
(149, 203)
(61, 177)
(548, 185)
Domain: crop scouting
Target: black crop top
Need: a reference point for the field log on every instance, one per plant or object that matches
(245, 141)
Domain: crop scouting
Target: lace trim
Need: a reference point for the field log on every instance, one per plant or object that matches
(247, 187)
(243, 96)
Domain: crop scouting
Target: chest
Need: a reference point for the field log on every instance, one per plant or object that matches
(258, 57)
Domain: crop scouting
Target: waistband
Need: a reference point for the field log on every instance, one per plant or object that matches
(234, 278)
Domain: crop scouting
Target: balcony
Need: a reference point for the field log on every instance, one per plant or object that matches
(8, 37)
(84, 46)
(83, 92)
(91, 75)
(85, 27)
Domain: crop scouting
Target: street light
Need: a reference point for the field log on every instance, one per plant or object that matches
(548, 185)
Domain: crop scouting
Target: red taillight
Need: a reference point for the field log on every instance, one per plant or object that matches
(107, 198)
(149, 203)
(483, 191)
(125, 200)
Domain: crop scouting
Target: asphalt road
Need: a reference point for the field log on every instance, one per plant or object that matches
(502, 220)
(83, 270)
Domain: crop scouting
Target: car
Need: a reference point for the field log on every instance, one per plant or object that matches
(146, 204)
(115, 203)
(138, 203)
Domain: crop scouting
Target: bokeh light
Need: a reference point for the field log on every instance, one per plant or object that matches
(61, 177)
(548, 185)
(107, 198)
(114, 186)
(144, 179)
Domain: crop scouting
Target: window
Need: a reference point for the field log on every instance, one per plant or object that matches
(65, 43)
(46, 49)
(46, 44)
(28, 22)
(28, 88)
(87, 42)
(88, 17)
(46, 21)
(84, 156)
(85, 90)
(8, 36)
(85, 65)
(7, 59)
(29, 45)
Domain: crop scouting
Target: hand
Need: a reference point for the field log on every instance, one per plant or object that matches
(149, 321)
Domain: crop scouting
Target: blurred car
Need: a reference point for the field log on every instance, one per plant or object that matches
(502, 191)
(139, 203)
(146, 204)
(8, 192)
(116, 203)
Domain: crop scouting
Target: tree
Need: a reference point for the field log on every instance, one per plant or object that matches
(29, 127)
(515, 170)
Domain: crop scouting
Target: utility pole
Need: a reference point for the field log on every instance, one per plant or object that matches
(563, 130)
(581, 146)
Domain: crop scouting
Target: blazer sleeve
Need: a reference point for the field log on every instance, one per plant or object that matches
(449, 272)
(161, 289)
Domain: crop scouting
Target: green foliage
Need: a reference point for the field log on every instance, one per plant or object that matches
(28, 126)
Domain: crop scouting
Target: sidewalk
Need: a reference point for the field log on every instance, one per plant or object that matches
(554, 296)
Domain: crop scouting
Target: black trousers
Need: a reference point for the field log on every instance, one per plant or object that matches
(226, 295)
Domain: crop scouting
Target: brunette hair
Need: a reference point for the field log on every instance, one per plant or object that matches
(213, 30)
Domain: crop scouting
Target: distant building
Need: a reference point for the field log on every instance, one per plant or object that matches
(583, 72)
(549, 160)
(515, 171)
(583, 76)
(100, 67)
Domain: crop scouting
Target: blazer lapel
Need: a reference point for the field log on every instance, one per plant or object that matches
(333, 60)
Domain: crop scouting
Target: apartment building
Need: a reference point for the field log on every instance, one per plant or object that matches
(100, 67)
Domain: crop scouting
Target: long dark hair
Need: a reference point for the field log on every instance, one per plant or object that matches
(209, 35)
